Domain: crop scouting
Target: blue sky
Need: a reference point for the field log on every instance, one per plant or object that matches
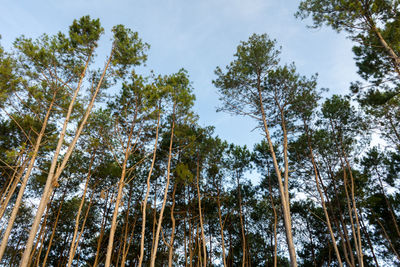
(198, 36)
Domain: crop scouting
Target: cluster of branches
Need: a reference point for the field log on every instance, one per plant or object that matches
(131, 179)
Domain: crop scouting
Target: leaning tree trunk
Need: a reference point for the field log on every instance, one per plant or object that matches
(53, 173)
(24, 182)
(328, 222)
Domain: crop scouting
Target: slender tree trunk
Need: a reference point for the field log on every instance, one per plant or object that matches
(70, 257)
(356, 234)
(171, 242)
(355, 211)
(200, 213)
(154, 218)
(241, 222)
(328, 222)
(53, 173)
(190, 235)
(389, 206)
(126, 227)
(282, 189)
(185, 240)
(8, 191)
(107, 209)
(53, 232)
(389, 51)
(340, 221)
(125, 252)
(198, 242)
(388, 239)
(24, 182)
(144, 209)
(368, 240)
(221, 225)
(275, 222)
(82, 227)
(117, 202)
(42, 233)
(154, 252)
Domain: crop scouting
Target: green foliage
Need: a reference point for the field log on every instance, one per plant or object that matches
(128, 49)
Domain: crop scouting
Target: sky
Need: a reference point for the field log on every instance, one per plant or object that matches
(198, 36)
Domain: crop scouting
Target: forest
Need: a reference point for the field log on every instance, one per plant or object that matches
(103, 166)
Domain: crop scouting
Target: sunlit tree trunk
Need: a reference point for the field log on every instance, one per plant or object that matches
(275, 221)
(53, 173)
(144, 206)
(283, 188)
(221, 226)
(171, 242)
(73, 246)
(321, 195)
(53, 232)
(24, 182)
(200, 213)
(160, 218)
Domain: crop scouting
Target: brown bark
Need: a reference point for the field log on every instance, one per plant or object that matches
(154, 251)
(82, 227)
(351, 204)
(125, 237)
(171, 242)
(53, 232)
(241, 222)
(24, 182)
(388, 239)
(221, 225)
(282, 188)
(107, 209)
(53, 173)
(275, 223)
(73, 247)
(200, 213)
(328, 222)
(144, 209)
(11, 187)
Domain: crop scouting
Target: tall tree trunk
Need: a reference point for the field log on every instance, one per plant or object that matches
(171, 242)
(24, 182)
(200, 213)
(53, 232)
(321, 195)
(121, 184)
(144, 209)
(53, 173)
(368, 240)
(339, 221)
(389, 50)
(8, 191)
(82, 227)
(160, 218)
(125, 237)
(388, 239)
(107, 209)
(241, 222)
(283, 189)
(275, 221)
(221, 226)
(70, 257)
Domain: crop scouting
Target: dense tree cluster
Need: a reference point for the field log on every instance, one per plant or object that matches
(89, 178)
